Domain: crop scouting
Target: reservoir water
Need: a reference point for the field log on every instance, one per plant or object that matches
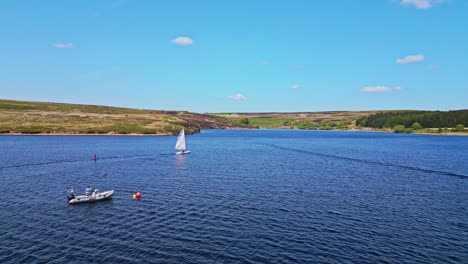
(241, 196)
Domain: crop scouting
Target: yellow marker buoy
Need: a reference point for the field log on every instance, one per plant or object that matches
(134, 196)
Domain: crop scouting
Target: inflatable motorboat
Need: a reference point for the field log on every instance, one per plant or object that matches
(96, 196)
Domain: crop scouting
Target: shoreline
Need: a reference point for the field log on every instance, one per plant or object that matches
(414, 133)
(79, 134)
(168, 134)
(377, 131)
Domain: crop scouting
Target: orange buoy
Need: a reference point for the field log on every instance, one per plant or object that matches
(138, 195)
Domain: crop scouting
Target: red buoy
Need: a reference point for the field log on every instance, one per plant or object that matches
(94, 157)
(138, 195)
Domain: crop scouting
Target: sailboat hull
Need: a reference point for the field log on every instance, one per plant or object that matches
(182, 153)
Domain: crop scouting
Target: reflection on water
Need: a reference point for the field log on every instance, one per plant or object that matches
(180, 162)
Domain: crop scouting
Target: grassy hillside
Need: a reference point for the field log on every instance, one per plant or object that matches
(40, 117)
(298, 119)
(56, 118)
(431, 122)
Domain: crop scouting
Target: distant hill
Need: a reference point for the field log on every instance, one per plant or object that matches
(296, 119)
(57, 118)
(408, 121)
(22, 117)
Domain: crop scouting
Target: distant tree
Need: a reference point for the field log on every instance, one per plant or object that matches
(244, 120)
(440, 130)
(399, 129)
(361, 122)
(459, 127)
(407, 118)
(416, 126)
(408, 130)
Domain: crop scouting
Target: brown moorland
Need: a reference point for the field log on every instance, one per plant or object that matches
(22, 117)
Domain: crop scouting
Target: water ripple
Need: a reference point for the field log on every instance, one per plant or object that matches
(372, 162)
(240, 197)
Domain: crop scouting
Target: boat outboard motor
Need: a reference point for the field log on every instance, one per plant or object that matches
(71, 195)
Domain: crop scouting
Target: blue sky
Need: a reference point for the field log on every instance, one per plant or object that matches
(237, 56)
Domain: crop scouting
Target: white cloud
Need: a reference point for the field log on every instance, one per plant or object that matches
(64, 46)
(264, 63)
(182, 41)
(380, 89)
(298, 67)
(421, 4)
(238, 97)
(433, 67)
(296, 86)
(410, 59)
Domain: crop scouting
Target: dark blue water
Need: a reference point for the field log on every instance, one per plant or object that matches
(260, 196)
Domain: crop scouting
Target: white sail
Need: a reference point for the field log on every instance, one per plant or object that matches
(180, 144)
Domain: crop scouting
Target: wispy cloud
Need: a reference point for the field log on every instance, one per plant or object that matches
(421, 4)
(410, 59)
(237, 97)
(64, 46)
(264, 63)
(182, 41)
(298, 67)
(433, 67)
(296, 86)
(378, 89)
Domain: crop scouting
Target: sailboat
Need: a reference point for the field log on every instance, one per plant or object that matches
(180, 144)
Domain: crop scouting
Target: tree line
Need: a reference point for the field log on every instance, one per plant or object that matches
(427, 119)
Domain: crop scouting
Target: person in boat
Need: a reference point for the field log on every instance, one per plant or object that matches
(95, 193)
(88, 191)
(71, 194)
(183, 151)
